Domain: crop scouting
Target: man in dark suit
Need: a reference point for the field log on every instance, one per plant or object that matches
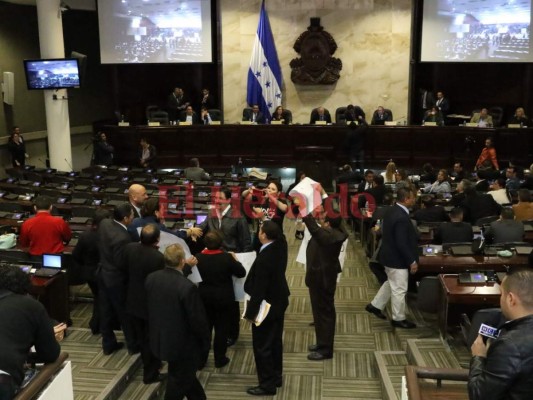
(368, 183)
(430, 212)
(380, 116)
(377, 191)
(320, 114)
(176, 103)
(179, 331)
(266, 281)
(399, 255)
(141, 259)
(189, 116)
(477, 205)
(254, 115)
(322, 257)
(506, 229)
(113, 236)
(86, 255)
(455, 231)
(443, 104)
(426, 101)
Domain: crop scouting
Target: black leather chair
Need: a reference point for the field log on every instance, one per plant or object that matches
(340, 117)
(246, 112)
(496, 113)
(315, 112)
(288, 116)
(159, 116)
(215, 114)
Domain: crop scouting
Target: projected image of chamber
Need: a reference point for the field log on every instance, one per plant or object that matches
(476, 31)
(154, 31)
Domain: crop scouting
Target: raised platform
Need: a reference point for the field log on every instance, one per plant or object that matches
(327, 146)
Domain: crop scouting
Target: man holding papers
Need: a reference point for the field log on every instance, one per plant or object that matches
(323, 265)
(266, 281)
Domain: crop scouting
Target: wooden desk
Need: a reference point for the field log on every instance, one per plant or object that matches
(259, 145)
(446, 264)
(53, 294)
(457, 298)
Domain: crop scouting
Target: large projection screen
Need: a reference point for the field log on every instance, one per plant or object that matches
(476, 31)
(154, 31)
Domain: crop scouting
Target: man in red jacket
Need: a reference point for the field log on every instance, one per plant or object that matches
(44, 233)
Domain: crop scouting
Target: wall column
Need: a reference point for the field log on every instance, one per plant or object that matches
(57, 118)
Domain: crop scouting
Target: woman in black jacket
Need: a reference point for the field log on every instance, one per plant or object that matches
(17, 148)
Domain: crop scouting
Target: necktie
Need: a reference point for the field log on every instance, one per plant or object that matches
(321, 118)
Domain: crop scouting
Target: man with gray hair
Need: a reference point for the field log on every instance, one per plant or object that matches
(179, 331)
(503, 368)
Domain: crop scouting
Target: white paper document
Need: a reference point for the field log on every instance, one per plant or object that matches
(264, 308)
(246, 259)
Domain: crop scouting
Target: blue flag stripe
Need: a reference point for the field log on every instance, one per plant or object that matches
(264, 74)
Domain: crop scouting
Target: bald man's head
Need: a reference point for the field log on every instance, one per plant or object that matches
(137, 194)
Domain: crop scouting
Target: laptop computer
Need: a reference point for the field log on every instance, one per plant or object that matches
(79, 220)
(523, 250)
(461, 250)
(51, 266)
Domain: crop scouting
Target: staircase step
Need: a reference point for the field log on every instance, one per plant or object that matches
(391, 367)
(137, 390)
(431, 353)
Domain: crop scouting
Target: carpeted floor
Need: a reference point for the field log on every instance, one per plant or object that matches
(351, 374)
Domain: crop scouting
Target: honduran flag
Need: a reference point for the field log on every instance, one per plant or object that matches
(264, 75)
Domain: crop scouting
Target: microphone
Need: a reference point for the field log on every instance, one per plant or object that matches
(489, 331)
(69, 164)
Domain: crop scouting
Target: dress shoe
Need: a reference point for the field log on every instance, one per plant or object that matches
(279, 384)
(231, 342)
(259, 391)
(376, 311)
(134, 351)
(116, 347)
(316, 356)
(158, 378)
(314, 347)
(222, 363)
(403, 324)
(299, 235)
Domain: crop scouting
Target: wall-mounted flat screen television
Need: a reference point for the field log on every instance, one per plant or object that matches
(52, 74)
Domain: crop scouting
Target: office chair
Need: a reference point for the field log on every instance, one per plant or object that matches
(215, 114)
(11, 207)
(149, 110)
(86, 212)
(159, 116)
(496, 113)
(340, 117)
(470, 328)
(246, 112)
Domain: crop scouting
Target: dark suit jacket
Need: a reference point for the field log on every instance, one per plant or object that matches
(235, 230)
(454, 232)
(260, 118)
(431, 214)
(86, 254)
(315, 117)
(361, 187)
(103, 153)
(376, 120)
(266, 281)
(322, 255)
(444, 106)
(195, 119)
(178, 324)
(112, 238)
(139, 262)
(399, 245)
(505, 231)
(196, 174)
(479, 206)
(217, 271)
(482, 186)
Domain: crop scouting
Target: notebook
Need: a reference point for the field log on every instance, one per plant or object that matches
(51, 265)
